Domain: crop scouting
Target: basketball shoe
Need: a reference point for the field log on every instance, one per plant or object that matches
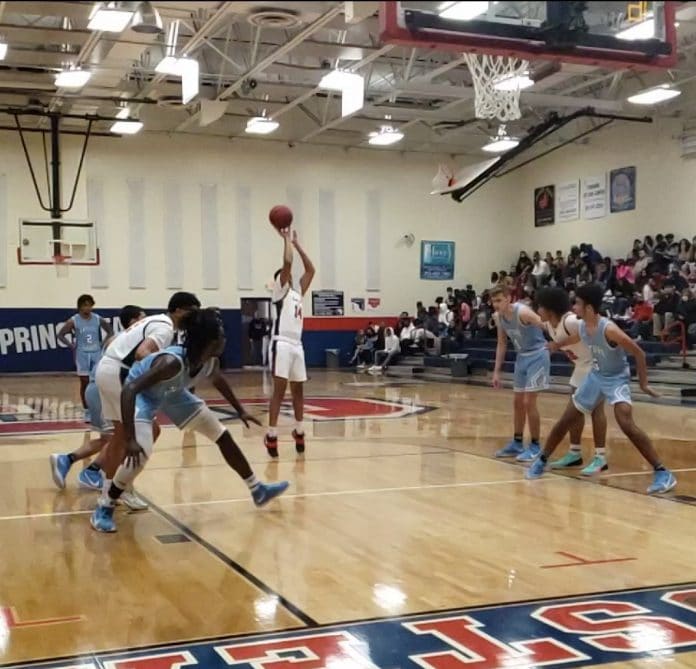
(299, 441)
(263, 493)
(271, 444)
(60, 466)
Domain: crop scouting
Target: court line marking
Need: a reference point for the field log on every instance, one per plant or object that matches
(289, 606)
(327, 493)
(644, 472)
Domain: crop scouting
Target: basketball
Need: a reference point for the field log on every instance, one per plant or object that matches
(280, 216)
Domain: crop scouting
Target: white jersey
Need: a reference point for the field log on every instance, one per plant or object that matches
(569, 326)
(123, 347)
(287, 314)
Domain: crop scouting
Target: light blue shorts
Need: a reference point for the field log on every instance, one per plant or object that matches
(532, 371)
(99, 423)
(597, 388)
(180, 407)
(86, 361)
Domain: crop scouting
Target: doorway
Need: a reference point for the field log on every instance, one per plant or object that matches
(256, 329)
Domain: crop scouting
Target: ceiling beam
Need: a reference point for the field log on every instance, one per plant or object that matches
(261, 65)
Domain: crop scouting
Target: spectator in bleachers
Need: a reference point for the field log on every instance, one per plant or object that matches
(686, 313)
(358, 345)
(495, 280)
(403, 322)
(677, 278)
(421, 311)
(648, 244)
(388, 353)
(541, 271)
(406, 336)
(684, 250)
(451, 299)
(641, 326)
(523, 263)
(665, 308)
(625, 277)
(649, 294)
(465, 314)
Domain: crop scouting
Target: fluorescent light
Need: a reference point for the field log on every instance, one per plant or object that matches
(189, 69)
(386, 136)
(500, 144)
(260, 125)
(3, 50)
(123, 113)
(106, 17)
(126, 127)
(643, 30)
(352, 95)
(169, 65)
(653, 96)
(72, 78)
(462, 11)
(338, 80)
(513, 82)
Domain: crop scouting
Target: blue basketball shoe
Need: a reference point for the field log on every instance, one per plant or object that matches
(263, 493)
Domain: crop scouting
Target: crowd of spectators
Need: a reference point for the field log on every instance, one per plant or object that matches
(646, 290)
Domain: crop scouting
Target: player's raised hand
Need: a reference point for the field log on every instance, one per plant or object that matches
(295, 240)
(285, 233)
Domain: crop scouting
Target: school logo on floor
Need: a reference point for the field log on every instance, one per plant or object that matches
(33, 415)
(572, 632)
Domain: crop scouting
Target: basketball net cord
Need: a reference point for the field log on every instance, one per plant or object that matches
(487, 71)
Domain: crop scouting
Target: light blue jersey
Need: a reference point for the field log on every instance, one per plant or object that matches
(172, 396)
(87, 333)
(610, 377)
(608, 360)
(525, 338)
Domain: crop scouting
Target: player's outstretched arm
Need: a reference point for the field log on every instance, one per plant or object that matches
(224, 389)
(616, 335)
(286, 269)
(166, 367)
(309, 271)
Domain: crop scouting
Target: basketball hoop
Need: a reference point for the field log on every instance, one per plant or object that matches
(487, 71)
(62, 264)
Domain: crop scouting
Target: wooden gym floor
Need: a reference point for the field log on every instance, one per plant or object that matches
(397, 508)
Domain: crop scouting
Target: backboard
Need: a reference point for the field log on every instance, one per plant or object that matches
(41, 241)
(608, 34)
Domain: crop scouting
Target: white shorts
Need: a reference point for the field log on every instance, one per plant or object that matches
(579, 374)
(108, 379)
(287, 361)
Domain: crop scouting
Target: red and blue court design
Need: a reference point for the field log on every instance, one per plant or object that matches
(24, 418)
(569, 632)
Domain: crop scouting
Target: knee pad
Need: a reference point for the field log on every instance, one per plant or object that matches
(206, 424)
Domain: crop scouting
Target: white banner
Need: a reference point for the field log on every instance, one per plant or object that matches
(594, 197)
(568, 201)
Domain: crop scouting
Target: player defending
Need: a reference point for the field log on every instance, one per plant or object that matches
(86, 327)
(532, 366)
(560, 322)
(287, 354)
(91, 477)
(160, 382)
(608, 381)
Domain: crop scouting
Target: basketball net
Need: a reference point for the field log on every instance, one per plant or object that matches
(487, 71)
(62, 264)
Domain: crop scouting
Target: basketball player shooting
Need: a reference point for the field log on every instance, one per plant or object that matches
(287, 354)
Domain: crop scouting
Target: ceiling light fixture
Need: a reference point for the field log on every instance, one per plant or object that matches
(513, 82)
(109, 17)
(337, 80)
(72, 78)
(462, 11)
(350, 85)
(147, 20)
(260, 125)
(501, 143)
(643, 30)
(125, 125)
(655, 95)
(3, 50)
(385, 136)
